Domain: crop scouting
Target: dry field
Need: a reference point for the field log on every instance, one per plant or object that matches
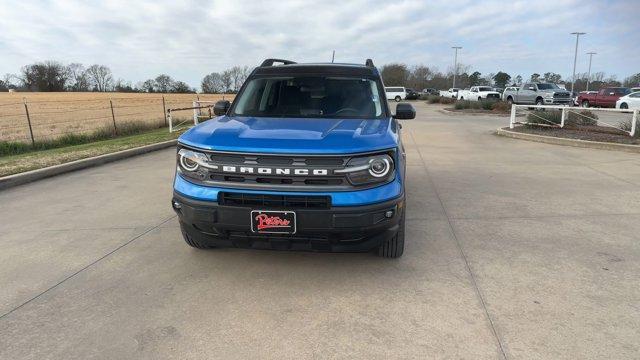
(56, 114)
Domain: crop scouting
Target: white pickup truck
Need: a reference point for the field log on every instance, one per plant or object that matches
(478, 93)
(451, 93)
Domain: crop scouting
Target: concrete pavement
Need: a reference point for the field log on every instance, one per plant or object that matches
(515, 250)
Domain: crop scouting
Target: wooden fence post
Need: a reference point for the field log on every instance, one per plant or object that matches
(164, 111)
(113, 116)
(26, 110)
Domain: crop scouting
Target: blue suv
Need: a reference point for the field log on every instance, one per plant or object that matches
(307, 157)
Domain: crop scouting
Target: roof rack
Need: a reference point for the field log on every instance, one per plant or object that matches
(369, 63)
(270, 62)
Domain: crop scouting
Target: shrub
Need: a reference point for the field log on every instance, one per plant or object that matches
(446, 100)
(583, 118)
(544, 117)
(626, 126)
(487, 104)
(433, 99)
(501, 107)
(460, 105)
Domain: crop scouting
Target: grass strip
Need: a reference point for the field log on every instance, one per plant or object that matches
(33, 160)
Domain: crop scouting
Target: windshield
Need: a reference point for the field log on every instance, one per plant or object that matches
(485, 89)
(310, 96)
(548, 87)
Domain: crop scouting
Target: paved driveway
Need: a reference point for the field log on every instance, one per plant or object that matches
(515, 250)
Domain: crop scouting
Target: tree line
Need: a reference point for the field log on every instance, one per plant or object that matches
(55, 76)
(423, 77)
(51, 76)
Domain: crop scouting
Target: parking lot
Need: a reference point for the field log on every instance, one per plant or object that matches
(515, 250)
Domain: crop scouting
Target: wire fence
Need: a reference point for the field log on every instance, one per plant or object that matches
(42, 116)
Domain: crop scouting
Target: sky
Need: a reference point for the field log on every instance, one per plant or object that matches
(189, 39)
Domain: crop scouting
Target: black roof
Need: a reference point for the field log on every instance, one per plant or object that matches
(291, 68)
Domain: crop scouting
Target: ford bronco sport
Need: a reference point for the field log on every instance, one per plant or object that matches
(307, 157)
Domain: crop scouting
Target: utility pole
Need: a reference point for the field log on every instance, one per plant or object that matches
(333, 57)
(589, 74)
(575, 59)
(455, 64)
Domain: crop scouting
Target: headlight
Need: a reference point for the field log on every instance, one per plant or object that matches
(191, 160)
(379, 166)
(368, 169)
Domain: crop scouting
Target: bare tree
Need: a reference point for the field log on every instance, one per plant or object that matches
(100, 77)
(164, 83)
(78, 78)
(227, 80)
(181, 87)
(238, 75)
(148, 86)
(395, 74)
(419, 77)
(212, 84)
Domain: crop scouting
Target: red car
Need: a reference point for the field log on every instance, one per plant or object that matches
(606, 97)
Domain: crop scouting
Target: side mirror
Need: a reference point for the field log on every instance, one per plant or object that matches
(221, 107)
(405, 111)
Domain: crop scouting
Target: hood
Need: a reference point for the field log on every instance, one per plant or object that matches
(292, 135)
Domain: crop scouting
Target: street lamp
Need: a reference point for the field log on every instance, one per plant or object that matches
(589, 74)
(575, 59)
(455, 64)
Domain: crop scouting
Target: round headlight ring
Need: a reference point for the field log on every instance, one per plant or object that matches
(379, 167)
(188, 164)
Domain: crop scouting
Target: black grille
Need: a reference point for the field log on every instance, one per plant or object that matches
(561, 95)
(274, 201)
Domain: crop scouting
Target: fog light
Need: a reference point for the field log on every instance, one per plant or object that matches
(388, 214)
(176, 205)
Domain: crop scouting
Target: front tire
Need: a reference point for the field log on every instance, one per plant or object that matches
(585, 104)
(398, 98)
(193, 239)
(510, 100)
(394, 247)
(479, 98)
(539, 101)
(624, 106)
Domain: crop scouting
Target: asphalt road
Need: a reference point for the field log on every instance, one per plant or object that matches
(515, 250)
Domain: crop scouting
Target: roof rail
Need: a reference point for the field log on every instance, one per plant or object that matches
(369, 63)
(270, 62)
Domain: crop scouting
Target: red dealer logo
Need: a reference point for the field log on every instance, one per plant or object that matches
(269, 222)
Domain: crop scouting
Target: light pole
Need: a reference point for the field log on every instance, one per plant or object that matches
(455, 64)
(589, 74)
(575, 59)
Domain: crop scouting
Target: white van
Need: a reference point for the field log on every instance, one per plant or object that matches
(396, 93)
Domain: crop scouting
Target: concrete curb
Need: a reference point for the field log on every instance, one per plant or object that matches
(33, 175)
(569, 142)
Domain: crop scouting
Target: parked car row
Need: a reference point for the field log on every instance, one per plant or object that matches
(399, 93)
(530, 93)
(478, 93)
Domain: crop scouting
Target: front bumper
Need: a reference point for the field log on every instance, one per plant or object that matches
(336, 229)
(561, 101)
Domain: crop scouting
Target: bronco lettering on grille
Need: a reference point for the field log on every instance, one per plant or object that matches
(276, 171)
